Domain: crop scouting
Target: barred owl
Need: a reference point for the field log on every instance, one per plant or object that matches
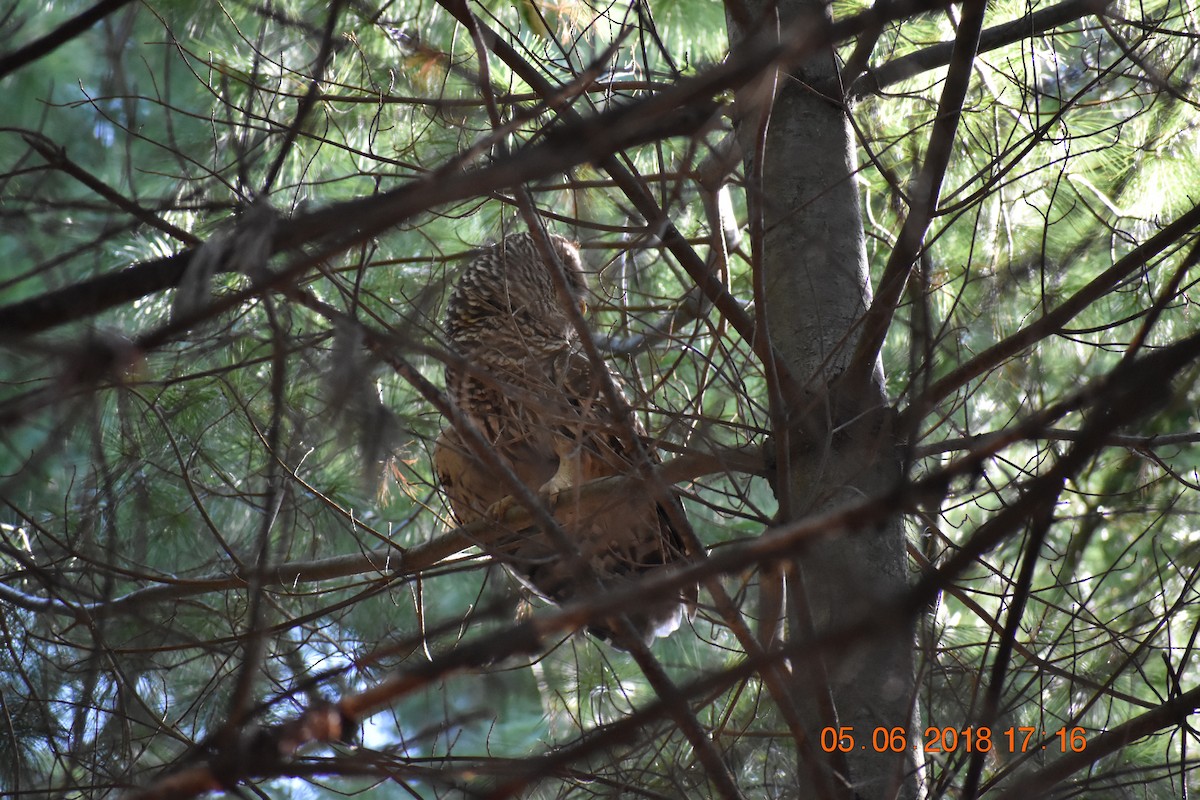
(540, 403)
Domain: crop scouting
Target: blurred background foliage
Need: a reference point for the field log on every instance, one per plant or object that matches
(1077, 145)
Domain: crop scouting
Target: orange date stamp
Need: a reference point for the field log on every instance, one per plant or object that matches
(981, 739)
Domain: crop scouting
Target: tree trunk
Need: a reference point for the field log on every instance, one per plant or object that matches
(813, 287)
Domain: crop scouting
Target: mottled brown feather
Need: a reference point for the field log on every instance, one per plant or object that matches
(538, 400)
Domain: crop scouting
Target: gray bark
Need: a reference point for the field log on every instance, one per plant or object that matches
(815, 287)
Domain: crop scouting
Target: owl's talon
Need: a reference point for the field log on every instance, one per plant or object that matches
(499, 509)
(559, 483)
(568, 475)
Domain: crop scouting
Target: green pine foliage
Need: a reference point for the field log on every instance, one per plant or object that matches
(146, 470)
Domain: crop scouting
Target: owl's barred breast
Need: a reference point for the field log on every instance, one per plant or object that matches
(529, 389)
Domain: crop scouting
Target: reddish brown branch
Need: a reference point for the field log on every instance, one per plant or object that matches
(873, 81)
(923, 199)
(1172, 713)
(59, 36)
(1120, 398)
(1053, 321)
(57, 158)
(682, 109)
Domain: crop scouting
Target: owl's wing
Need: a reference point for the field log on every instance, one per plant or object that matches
(592, 443)
(619, 536)
(471, 487)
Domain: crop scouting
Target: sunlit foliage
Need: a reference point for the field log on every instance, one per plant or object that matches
(209, 489)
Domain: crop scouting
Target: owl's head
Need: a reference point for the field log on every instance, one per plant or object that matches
(510, 288)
